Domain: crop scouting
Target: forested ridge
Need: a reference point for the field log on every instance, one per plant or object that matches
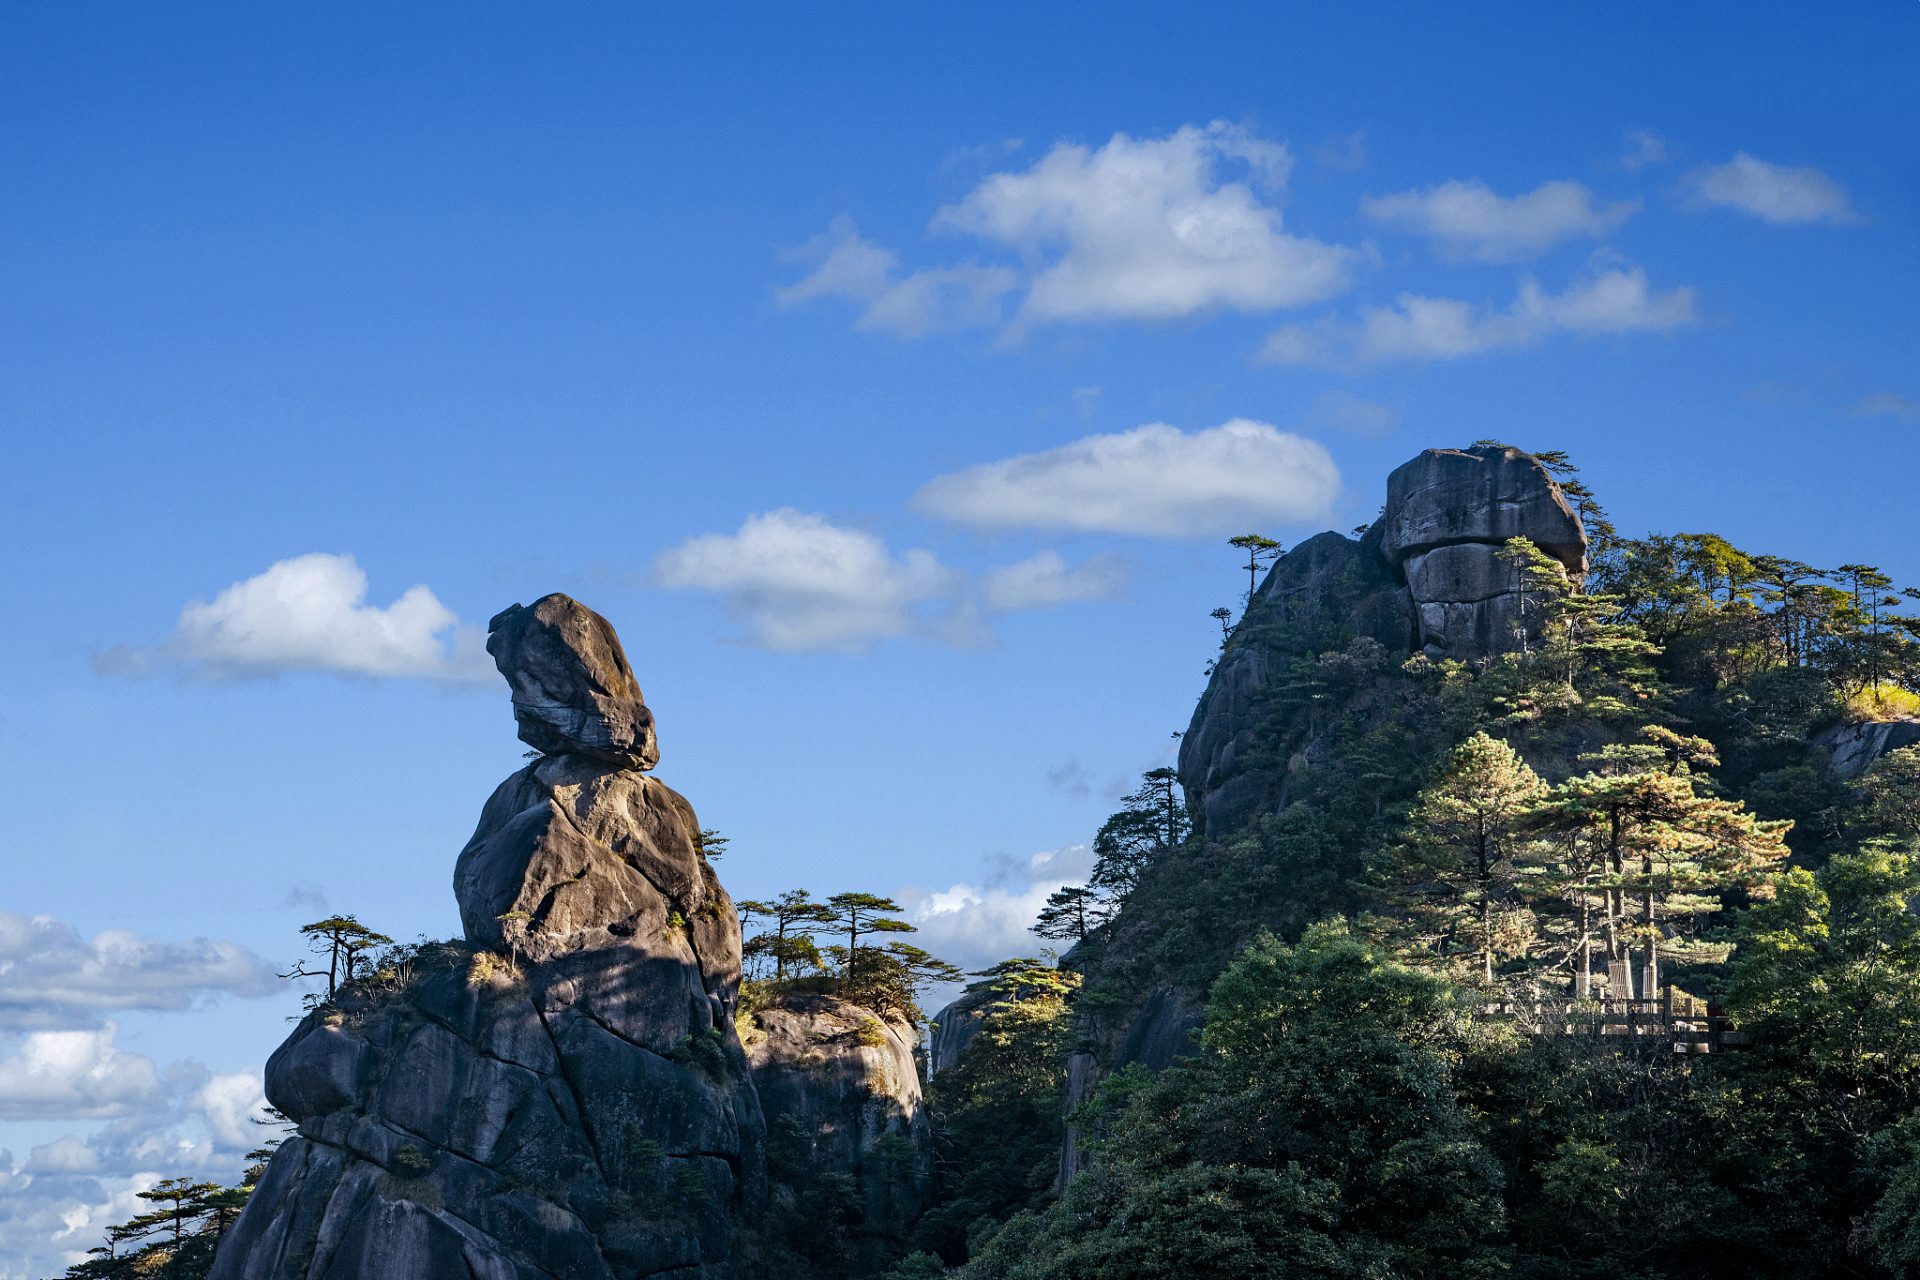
(1630, 805)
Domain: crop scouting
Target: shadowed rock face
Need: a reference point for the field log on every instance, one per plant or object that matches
(835, 1082)
(565, 1096)
(1448, 513)
(1449, 496)
(573, 692)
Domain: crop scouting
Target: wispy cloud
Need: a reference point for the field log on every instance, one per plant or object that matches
(907, 305)
(1140, 229)
(1643, 149)
(1156, 481)
(1346, 152)
(1355, 415)
(310, 614)
(1046, 579)
(52, 978)
(1773, 193)
(1468, 220)
(1416, 328)
(1887, 404)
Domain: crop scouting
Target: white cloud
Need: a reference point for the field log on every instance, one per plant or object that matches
(1138, 229)
(1647, 149)
(60, 1075)
(1046, 579)
(309, 614)
(975, 926)
(230, 1104)
(1469, 221)
(1144, 229)
(908, 306)
(57, 1203)
(1886, 402)
(1416, 328)
(1155, 480)
(1344, 411)
(1771, 192)
(183, 1119)
(52, 978)
(800, 583)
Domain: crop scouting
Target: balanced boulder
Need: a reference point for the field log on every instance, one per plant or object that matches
(573, 692)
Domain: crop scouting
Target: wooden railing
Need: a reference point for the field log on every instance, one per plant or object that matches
(1691, 1024)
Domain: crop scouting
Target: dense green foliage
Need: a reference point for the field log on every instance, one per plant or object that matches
(998, 1112)
(1316, 1134)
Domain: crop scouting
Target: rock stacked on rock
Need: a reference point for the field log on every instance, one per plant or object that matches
(567, 1095)
(573, 692)
(1448, 514)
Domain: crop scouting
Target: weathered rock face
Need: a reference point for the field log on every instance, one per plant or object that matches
(567, 1095)
(1488, 495)
(573, 692)
(1320, 595)
(955, 1026)
(1856, 746)
(841, 1092)
(1448, 513)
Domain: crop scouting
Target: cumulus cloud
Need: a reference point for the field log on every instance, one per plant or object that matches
(974, 926)
(1155, 480)
(183, 1121)
(62, 1062)
(1147, 229)
(310, 614)
(1416, 328)
(1467, 220)
(1044, 580)
(62, 1075)
(1886, 402)
(1344, 411)
(50, 977)
(1144, 229)
(1773, 193)
(798, 583)
(906, 305)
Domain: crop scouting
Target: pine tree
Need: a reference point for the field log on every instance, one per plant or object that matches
(1152, 822)
(1453, 881)
(793, 908)
(859, 915)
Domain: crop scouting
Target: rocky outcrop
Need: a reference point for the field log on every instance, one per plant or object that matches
(955, 1026)
(573, 692)
(840, 1088)
(1448, 514)
(1856, 746)
(1320, 595)
(566, 1094)
(1426, 574)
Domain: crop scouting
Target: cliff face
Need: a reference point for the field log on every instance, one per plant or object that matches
(566, 1094)
(840, 1086)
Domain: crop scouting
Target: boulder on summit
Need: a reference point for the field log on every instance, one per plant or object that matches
(573, 692)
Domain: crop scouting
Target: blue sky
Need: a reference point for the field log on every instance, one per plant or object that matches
(889, 380)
